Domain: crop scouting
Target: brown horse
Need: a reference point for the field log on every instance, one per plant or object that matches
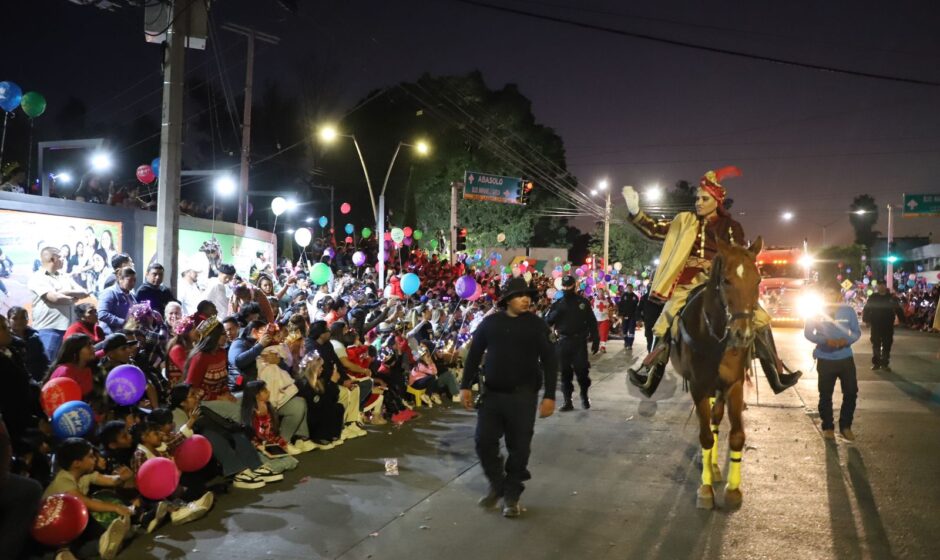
(712, 352)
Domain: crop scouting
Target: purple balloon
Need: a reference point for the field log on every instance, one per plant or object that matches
(407, 241)
(465, 285)
(359, 258)
(329, 252)
(126, 384)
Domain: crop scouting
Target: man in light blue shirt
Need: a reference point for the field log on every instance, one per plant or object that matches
(834, 331)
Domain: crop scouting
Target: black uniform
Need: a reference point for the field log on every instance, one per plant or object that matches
(518, 351)
(574, 321)
(879, 312)
(627, 309)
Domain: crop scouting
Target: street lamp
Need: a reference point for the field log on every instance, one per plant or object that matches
(653, 193)
(101, 161)
(786, 216)
(224, 185)
(328, 134)
(309, 219)
(602, 187)
(63, 177)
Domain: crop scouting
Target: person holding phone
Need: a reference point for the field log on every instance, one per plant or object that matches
(261, 419)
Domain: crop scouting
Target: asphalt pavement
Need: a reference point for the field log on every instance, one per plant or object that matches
(618, 481)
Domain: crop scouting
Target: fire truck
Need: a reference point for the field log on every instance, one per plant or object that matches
(786, 285)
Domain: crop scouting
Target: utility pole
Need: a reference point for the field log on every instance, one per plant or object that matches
(251, 35)
(889, 277)
(606, 233)
(171, 131)
(453, 222)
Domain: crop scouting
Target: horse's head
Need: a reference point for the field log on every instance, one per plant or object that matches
(736, 278)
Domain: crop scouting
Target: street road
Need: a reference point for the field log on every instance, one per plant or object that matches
(615, 482)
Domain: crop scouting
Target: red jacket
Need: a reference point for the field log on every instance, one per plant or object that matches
(78, 327)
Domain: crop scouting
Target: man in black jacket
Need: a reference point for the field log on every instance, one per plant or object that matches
(627, 309)
(574, 322)
(879, 313)
(518, 351)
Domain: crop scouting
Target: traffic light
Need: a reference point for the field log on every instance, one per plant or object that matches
(892, 253)
(461, 239)
(527, 187)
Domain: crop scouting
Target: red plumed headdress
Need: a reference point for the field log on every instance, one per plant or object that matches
(711, 181)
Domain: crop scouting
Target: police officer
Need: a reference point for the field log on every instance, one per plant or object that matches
(879, 313)
(574, 322)
(518, 353)
(627, 308)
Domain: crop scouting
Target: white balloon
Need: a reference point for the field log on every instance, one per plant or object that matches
(501, 237)
(303, 237)
(558, 283)
(527, 276)
(279, 206)
(618, 266)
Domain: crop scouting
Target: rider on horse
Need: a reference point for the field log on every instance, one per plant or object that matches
(690, 244)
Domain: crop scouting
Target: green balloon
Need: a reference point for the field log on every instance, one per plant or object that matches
(33, 104)
(613, 288)
(320, 273)
(417, 234)
(366, 233)
(567, 267)
(434, 243)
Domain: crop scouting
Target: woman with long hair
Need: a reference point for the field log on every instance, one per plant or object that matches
(179, 347)
(206, 368)
(87, 323)
(75, 360)
(324, 412)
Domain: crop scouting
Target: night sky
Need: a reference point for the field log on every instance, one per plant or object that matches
(634, 111)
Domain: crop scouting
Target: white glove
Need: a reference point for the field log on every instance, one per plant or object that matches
(633, 200)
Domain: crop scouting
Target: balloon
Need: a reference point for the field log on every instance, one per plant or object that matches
(501, 237)
(59, 391)
(303, 236)
(350, 229)
(551, 292)
(366, 233)
(397, 235)
(588, 291)
(33, 104)
(567, 267)
(494, 262)
(345, 208)
(410, 283)
(126, 384)
(613, 288)
(434, 243)
(323, 221)
(476, 293)
(329, 252)
(579, 272)
(557, 259)
(558, 285)
(10, 96)
(359, 258)
(407, 241)
(72, 419)
(320, 273)
(607, 278)
(527, 276)
(558, 295)
(155, 166)
(193, 454)
(349, 239)
(418, 234)
(556, 274)
(157, 478)
(407, 231)
(618, 266)
(61, 518)
(465, 285)
(145, 174)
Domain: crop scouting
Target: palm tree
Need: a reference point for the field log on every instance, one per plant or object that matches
(863, 217)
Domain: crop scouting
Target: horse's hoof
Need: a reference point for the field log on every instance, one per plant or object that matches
(733, 498)
(716, 474)
(705, 498)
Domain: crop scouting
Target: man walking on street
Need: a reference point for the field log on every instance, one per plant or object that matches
(627, 308)
(574, 321)
(518, 353)
(879, 313)
(834, 332)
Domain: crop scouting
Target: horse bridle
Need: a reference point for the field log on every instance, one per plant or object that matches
(729, 317)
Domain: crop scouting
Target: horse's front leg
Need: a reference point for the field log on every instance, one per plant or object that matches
(718, 412)
(706, 495)
(735, 394)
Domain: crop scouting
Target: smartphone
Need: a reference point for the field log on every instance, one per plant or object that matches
(274, 450)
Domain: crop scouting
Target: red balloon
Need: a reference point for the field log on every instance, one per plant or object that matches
(61, 518)
(349, 239)
(145, 174)
(59, 391)
(345, 208)
(388, 236)
(157, 478)
(193, 454)
(407, 231)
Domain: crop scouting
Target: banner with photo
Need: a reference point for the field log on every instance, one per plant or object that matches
(85, 245)
(204, 252)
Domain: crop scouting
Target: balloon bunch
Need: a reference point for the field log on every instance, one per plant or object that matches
(12, 96)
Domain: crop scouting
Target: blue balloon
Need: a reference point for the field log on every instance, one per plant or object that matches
(72, 419)
(323, 221)
(558, 295)
(10, 96)
(410, 283)
(155, 166)
(349, 229)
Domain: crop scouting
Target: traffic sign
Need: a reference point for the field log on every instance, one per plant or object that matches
(493, 188)
(921, 205)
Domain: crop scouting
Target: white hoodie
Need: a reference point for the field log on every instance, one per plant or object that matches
(279, 382)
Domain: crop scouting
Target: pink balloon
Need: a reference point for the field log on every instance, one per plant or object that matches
(345, 208)
(193, 454)
(157, 478)
(476, 293)
(407, 230)
(145, 174)
(557, 273)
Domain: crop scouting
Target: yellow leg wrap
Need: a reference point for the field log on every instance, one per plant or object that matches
(706, 466)
(734, 475)
(715, 445)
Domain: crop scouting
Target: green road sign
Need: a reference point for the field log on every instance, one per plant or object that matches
(921, 205)
(494, 188)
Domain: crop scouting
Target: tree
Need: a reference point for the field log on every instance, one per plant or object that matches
(863, 217)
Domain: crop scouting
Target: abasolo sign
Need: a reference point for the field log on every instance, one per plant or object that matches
(493, 188)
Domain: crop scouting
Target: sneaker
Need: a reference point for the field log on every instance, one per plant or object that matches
(110, 541)
(65, 554)
(324, 445)
(491, 500)
(886, 368)
(291, 450)
(189, 512)
(205, 501)
(158, 516)
(426, 400)
(436, 399)
(567, 406)
(358, 429)
(266, 475)
(247, 481)
(511, 508)
(305, 445)
(829, 434)
(875, 367)
(377, 419)
(847, 434)
(352, 432)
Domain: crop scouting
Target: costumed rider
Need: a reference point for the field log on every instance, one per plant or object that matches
(689, 245)
(574, 321)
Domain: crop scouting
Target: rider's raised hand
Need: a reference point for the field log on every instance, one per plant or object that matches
(632, 199)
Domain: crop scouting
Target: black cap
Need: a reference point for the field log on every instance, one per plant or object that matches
(227, 269)
(569, 281)
(117, 340)
(516, 287)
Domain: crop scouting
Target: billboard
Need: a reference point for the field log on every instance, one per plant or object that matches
(204, 251)
(86, 246)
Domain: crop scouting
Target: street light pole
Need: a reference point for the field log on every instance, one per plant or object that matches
(889, 276)
(375, 213)
(606, 233)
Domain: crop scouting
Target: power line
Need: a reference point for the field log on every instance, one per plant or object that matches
(689, 45)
